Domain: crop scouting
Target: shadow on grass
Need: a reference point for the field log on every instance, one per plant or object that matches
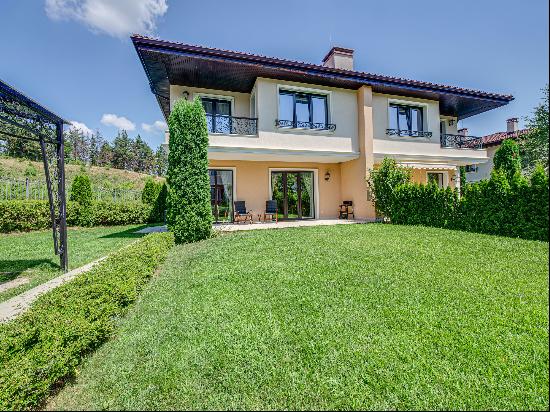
(128, 233)
(10, 269)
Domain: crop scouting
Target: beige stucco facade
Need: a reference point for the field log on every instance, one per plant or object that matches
(359, 142)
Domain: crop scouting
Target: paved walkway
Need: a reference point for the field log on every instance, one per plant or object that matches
(231, 227)
(20, 303)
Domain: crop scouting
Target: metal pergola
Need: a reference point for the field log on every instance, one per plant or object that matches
(23, 118)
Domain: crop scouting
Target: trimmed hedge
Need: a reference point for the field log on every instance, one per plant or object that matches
(25, 215)
(44, 345)
(496, 206)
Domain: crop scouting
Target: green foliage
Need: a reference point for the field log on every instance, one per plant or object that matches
(383, 182)
(81, 190)
(26, 215)
(507, 158)
(463, 179)
(150, 191)
(159, 207)
(189, 211)
(432, 206)
(535, 144)
(30, 170)
(516, 208)
(45, 344)
(155, 194)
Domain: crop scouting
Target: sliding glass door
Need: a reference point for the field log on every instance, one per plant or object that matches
(221, 194)
(293, 192)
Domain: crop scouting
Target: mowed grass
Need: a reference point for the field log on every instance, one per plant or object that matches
(31, 255)
(341, 317)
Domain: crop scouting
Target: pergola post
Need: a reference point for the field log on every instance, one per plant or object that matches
(23, 118)
(60, 152)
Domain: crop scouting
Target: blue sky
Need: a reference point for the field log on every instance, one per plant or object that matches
(75, 56)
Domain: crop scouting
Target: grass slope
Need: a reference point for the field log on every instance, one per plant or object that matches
(107, 177)
(31, 255)
(342, 317)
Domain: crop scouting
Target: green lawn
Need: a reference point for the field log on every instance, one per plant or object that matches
(30, 255)
(341, 317)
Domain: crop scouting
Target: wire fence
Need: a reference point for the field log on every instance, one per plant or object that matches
(37, 190)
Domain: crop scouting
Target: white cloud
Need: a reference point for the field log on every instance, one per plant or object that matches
(120, 122)
(80, 126)
(118, 18)
(158, 126)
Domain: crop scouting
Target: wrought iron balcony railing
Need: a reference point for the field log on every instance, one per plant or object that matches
(305, 125)
(459, 141)
(410, 133)
(218, 123)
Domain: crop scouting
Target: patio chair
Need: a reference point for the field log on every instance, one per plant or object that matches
(241, 214)
(271, 211)
(346, 210)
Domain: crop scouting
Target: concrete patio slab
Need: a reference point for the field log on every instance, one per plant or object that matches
(231, 227)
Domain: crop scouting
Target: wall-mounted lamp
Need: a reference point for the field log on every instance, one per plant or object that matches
(327, 175)
(185, 95)
(451, 122)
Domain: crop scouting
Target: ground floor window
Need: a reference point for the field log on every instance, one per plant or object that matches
(293, 191)
(221, 194)
(437, 178)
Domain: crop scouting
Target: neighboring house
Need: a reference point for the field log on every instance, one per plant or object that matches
(305, 134)
(491, 143)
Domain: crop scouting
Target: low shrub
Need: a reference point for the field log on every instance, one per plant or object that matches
(81, 190)
(25, 215)
(155, 194)
(45, 344)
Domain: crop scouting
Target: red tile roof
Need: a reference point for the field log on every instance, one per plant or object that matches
(400, 80)
(498, 137)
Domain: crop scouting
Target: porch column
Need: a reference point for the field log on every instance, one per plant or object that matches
(354, 173)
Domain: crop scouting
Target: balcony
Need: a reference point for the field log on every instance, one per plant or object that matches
(290, 124)
(409, 133)
(223, 124)
(460, 141)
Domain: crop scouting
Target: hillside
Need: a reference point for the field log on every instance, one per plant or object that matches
(106, 177)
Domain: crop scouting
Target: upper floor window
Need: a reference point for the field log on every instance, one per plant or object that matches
(406, 120)
(217, 114)
(302, 110)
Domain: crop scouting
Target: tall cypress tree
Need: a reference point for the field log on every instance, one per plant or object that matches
(189, 211)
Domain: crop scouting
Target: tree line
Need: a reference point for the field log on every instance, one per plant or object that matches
(124, 152)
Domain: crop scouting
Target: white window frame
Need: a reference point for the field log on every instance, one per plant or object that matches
(445, 177)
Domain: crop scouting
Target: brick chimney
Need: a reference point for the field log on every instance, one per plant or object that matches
(512, 125)
(339, 58)
(463, 131)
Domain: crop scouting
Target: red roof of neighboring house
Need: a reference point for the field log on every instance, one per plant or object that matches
(499, 137)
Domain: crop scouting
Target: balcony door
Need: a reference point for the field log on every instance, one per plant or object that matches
(218, 115)
(293, 191)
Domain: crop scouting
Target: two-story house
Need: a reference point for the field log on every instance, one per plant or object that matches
(306, 134)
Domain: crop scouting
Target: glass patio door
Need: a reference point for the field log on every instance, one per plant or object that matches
(293, 192)
(221, 194)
